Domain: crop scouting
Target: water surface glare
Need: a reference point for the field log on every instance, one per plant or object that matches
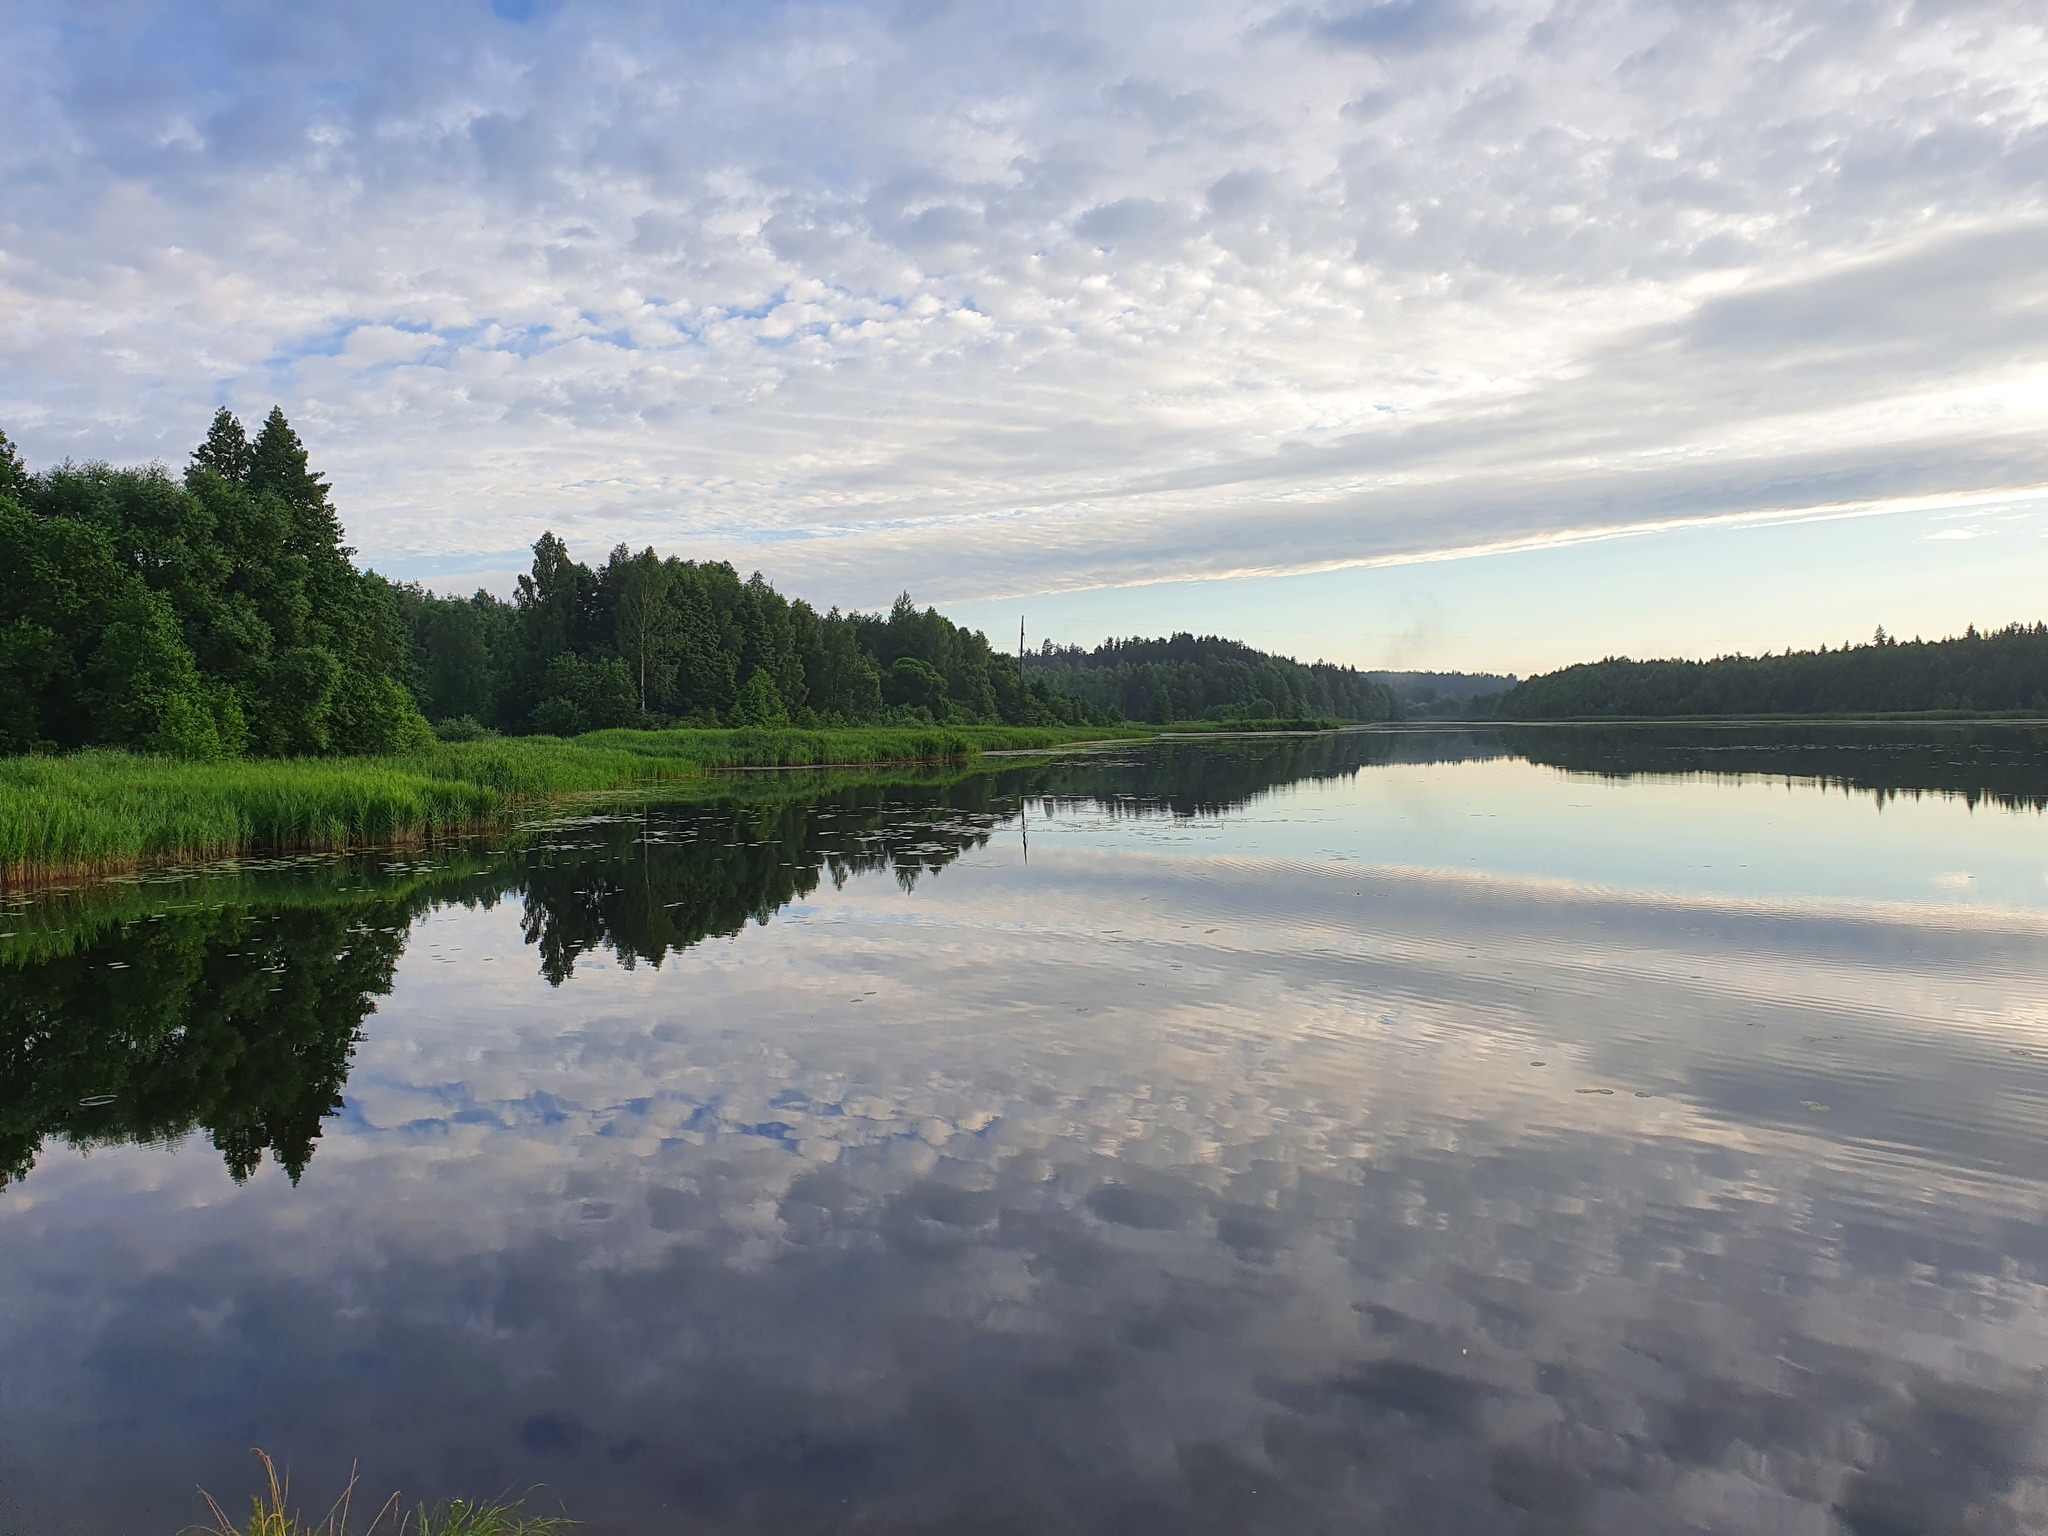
(1421, 1132)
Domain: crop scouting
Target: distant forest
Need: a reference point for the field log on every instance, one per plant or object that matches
(642, 640)
(2006, 669)
(218, 614)
(1188, 677)
(1446, 695)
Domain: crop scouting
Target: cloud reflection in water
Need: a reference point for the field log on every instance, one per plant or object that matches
(1136, 1188)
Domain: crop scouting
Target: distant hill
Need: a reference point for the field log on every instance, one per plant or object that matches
(2003, 670)
(1189, 677)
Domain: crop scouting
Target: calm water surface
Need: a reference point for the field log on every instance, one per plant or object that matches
(1527, 1131)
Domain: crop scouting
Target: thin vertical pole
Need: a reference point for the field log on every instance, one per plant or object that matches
(1024, 801)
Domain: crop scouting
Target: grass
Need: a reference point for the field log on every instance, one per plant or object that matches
(104, 812)
(271, 1514)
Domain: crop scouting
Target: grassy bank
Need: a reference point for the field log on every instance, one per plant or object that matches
(102, 812)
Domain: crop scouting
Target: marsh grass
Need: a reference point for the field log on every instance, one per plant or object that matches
(272, 1513)
(102, 812)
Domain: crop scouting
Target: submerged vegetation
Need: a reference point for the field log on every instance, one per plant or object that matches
(2003, 671)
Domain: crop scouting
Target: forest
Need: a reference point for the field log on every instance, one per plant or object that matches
(2002, 670)
(1187, 677)
(217, 614)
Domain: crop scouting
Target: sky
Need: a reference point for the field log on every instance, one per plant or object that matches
(1413, 333)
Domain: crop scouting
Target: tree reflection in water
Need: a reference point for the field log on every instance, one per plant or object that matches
(232, 1004)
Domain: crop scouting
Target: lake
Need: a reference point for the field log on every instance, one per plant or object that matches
(1523, 1130)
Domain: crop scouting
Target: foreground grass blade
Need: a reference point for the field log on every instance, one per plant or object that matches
(271, 1514)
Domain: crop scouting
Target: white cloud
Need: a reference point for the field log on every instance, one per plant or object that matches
(875, 293)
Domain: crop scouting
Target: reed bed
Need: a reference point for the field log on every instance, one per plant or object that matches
(105, 812)
(102, 811)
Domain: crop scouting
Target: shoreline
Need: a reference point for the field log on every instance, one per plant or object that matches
(95, 815)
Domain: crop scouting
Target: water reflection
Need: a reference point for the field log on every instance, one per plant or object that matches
(215, 1014)
(734, 1173)
(2004, 765)
(655, 884)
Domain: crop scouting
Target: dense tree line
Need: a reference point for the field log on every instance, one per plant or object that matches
(2006, 669)
(1187, 677)
(218, 614)
(643, 640)
(209, 616)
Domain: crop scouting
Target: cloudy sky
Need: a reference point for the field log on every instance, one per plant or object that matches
(1421, 332)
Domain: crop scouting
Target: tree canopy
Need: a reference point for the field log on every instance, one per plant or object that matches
(209, 616)
(1186, 677)
(219, 613)
(2006, 669)
(643, 640)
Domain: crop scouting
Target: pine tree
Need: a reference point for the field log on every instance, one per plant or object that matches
(277, 463)
(226, 449)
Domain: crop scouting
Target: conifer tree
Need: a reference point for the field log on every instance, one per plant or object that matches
(226, 449)
(277, 463)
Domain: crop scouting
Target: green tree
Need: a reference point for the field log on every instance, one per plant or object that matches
(459, 682)
(841, 683)
(579, 695)
(760, 702)
(2003, 670)
(226, 449)
(646, 626)
(258, 620)
(278, 467)
(89, 656)
(913, 684)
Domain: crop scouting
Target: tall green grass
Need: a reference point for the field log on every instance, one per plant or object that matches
(271, 1513)
(100, 812)
(107, 810)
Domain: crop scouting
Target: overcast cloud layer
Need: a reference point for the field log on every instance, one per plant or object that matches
(994, 299)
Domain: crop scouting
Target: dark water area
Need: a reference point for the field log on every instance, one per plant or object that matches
(1523, 1130)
